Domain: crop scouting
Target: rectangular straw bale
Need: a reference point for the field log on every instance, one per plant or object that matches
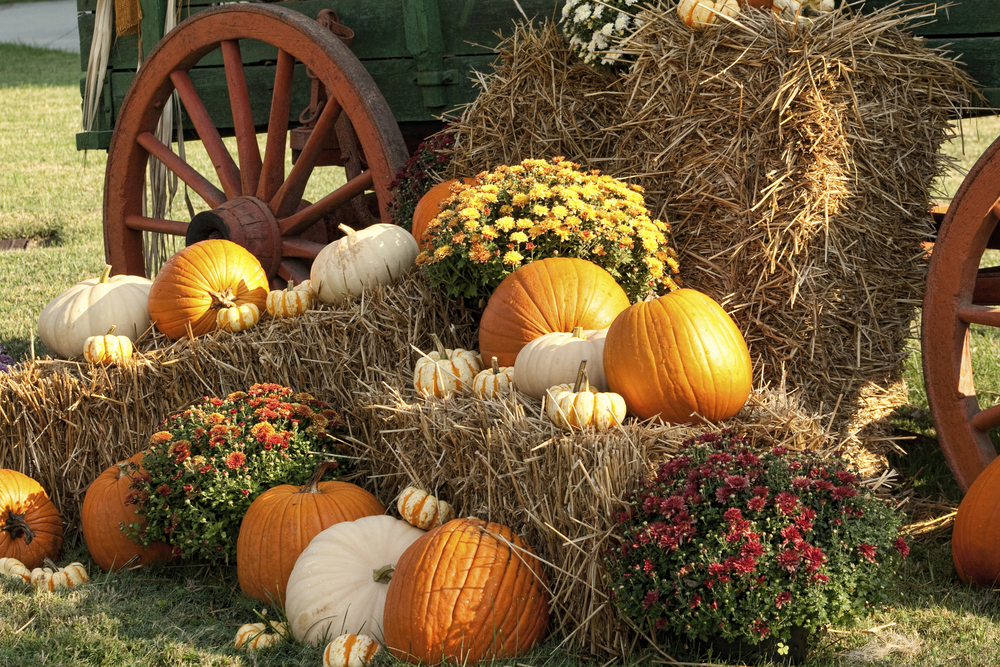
(64, 422)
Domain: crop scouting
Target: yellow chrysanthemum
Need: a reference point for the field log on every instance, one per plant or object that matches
(512, 258)
(520, 199)
(540, 210)
(488, 232)
(524, 223)
(518, 237)
(442, 252)
(505, 224)
(471, 225)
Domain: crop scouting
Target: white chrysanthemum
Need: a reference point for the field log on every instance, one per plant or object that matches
(622, 21)
(606, 30)
(598, 10)
(582, 13)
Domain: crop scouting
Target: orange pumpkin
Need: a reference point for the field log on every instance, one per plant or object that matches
(547, 295)
(461, 593)
(282, 521)
(678, 356)
(105, 509)
(31, 529)
(201, 279)
(430, 205)
(975, 541)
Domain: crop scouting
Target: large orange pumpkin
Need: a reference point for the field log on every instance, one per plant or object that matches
(678, 356)
(544, 296)
(430, 205)
(105, 510)
(31, 529)
(975, 540)
(201, 279)
(461, 593)
(282, 521)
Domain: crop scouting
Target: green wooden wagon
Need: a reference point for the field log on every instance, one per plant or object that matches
(282, 76)
(241, 71)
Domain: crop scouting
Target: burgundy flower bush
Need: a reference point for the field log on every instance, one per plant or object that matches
(206, 465)
(724, 542)
(419, 175)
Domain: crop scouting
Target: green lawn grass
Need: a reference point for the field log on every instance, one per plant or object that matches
(189, 615)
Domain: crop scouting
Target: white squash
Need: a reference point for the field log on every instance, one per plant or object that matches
(339, 582)
(350, 651)
(554, 358)
(376, 255)
(91, 308)
(580, 406)
(701, 13)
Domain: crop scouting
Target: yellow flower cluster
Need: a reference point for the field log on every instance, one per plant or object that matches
(520, 213)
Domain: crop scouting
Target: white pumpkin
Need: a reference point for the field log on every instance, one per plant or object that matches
(799, 10)
(91, 308)
(339, 582)
(350, 651)
(421, 509)
(579, 406)
(554, 358)
(376, 255)
(701, 13)
(493, 382)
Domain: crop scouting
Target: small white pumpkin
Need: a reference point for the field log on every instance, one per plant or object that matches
(350, 651)
(494, 381)
(15, 569)
(253, 636)
(376, 255)
(238, 318)
(554, 358)
(52, 578)
(802, 10)
(91, 308)
(107, 349)
(702, 13)
(340, 580)
(579, 406)
(444, 371)
(421, 509)
(291, 301)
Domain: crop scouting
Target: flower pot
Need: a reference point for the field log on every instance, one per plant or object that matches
(768, 649)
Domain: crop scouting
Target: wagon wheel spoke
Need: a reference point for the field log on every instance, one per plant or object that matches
(225, 167)
(287, 199)
(300, 247)
(293, 269)
(273, 168)
(143, 224)
(207, 190)
(298, 222)
(239, 102)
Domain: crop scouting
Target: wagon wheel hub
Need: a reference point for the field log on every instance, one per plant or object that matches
(246, 221)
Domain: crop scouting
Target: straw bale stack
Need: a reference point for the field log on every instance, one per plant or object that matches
(795, 164)
(504, 461)
(64, 422)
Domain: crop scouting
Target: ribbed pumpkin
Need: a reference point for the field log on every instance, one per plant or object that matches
(31, 529)
(350, 651)
(461, 594)
(53, 577)
(280, 523)
(678, 355)
(555, 359)
(975, 539)
(107, 349)
(105, 509)
(430, 205)
(553, 294)
(201, 279)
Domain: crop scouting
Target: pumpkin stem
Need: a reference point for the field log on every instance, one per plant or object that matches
(50, 564)
(105, 274)
(383, 574)
(582, 383)
(312, 484)
(442, 353)
(111, 330)
(496, 366)
(578, 332)
(223, 299)
(291, 284)
(344, 228)
(18, 527)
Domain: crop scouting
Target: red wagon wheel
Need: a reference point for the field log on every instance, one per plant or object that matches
(253, 201)
(958, 295)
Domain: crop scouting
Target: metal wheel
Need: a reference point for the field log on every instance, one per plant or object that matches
(959, 294)
(253, 201)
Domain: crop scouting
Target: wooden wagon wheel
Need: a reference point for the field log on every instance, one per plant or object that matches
(959, 294)
(255, 203)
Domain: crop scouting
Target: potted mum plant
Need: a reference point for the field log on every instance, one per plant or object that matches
(207, 463)
(754, 552)
(536, 209)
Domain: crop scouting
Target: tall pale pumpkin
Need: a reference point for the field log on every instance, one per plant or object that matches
(92, 308)
(201, 279)
(975, 540)
(553, 294)
(555, 359)
(679, 357)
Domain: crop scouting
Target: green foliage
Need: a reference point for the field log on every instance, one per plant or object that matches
(537, 209)
(208, 463)
(593, 26)
(723, 542)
